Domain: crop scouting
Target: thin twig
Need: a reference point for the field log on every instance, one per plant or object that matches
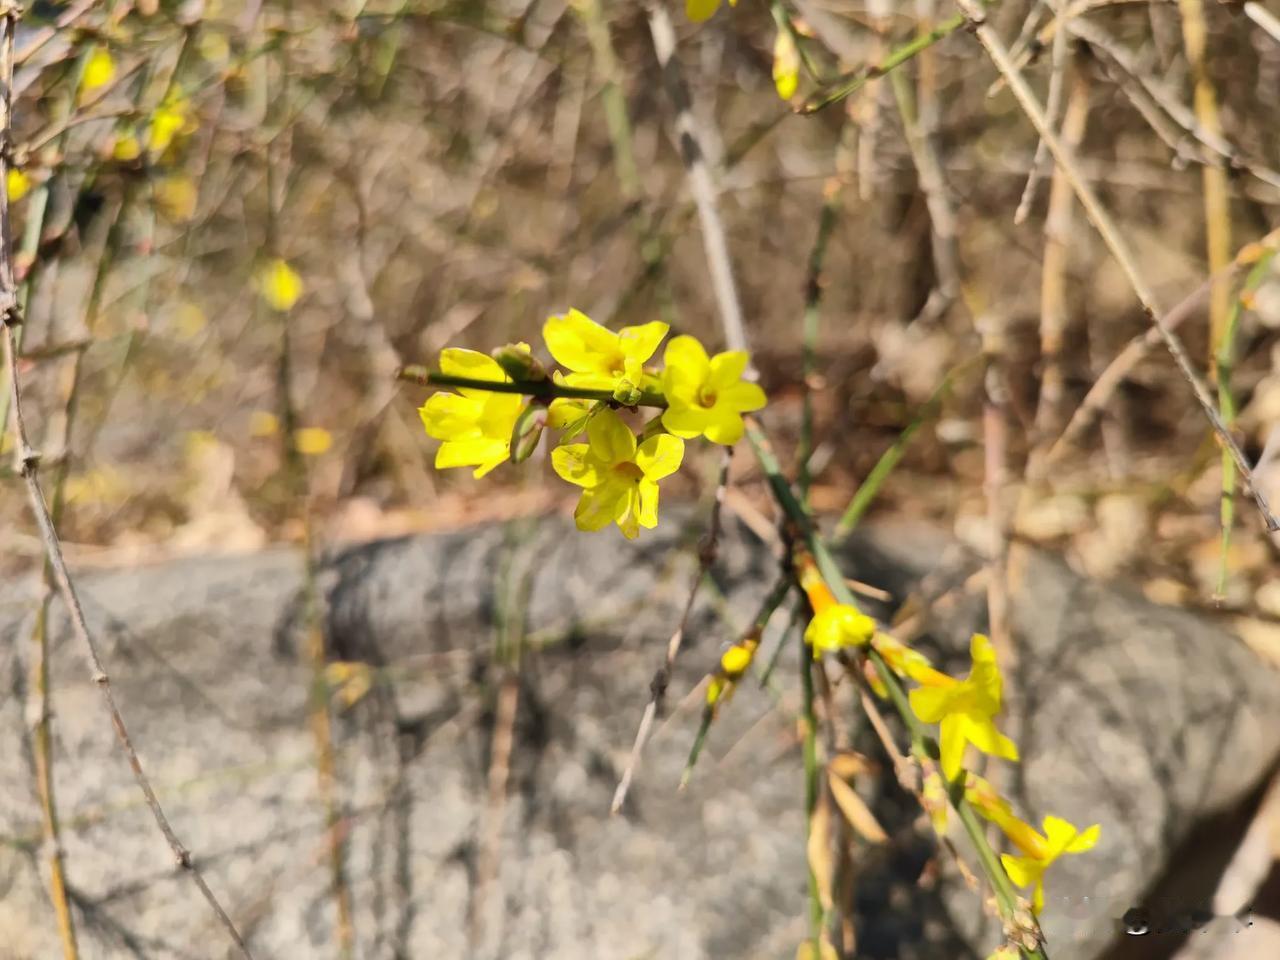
(1058, 66)
(27, 463)
(1107, 229)
(662, 676)
(698, 172)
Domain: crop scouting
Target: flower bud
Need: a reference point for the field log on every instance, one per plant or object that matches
(627, 393)
(527, 432)
(518, 362)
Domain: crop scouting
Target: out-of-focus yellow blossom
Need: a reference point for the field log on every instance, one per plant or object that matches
(348, 680)
(171, 120)
(700, 10)
(263, 423)
(835, 626)
(733, 664)
(177, 197)
(126, 147)
(598, 358)
(312, 441)
(964, 709)
(99, 69)
(280, 285)
(619, 478)
(786, 64)
(1042, 850)
(17, 184)
(474, 424)
(707, 396)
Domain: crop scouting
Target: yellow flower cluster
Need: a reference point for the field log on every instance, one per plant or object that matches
(618, 470)
(964, 711)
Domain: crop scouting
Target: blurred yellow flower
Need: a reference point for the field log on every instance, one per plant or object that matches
(263, 423)
(312, 441)
(964, 709)
(707, 396)
(126, 147)
(1041, 851)
(177, 198)
(17, 184)
(172, 119)
(99, 69)
(598, 358)
(280, 285)
(619, 478)
(786, 64)
(474, 424)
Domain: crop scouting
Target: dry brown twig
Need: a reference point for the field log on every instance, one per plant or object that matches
(27, 462)
(1110, 235)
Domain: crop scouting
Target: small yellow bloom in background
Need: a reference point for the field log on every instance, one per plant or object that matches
(619, 478)
(1042, 850)
(474, 424)
(17, 184)
(700, 10)
(171, 120)
(126, 148)
(263, 424)
(965, 709)
(733, 664)
(707, 396)
(280, 285)
(177, 197)
(598, 358)
(312, 441)
(99, 70)
(786, 64)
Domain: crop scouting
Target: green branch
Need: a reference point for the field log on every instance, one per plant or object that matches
(541, 389)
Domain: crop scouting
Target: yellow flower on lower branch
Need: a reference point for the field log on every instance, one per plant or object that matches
(707, 396)
(1041, 850)
(964, 709)
(835, 626)
(619, 477)
(474, 424)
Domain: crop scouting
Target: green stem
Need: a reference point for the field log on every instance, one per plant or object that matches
(816, 913)
(922, 743)
(541, 389)
(855, 81)
(1225, 365)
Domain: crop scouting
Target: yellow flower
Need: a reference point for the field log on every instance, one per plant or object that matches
(619, 478)
(17, 184)
(733, 664)
(707, 396)
(474, 424)
(279, 284)
(699, 10)
(786, 64)
(600, 359)
(1042, 850)
(964, 708)
(834, 625)
(98, 70)
(171, 120)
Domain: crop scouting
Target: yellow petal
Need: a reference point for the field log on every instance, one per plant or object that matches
(600, 506)
(448, 416)
(629, 514)
(573, 463)
(481, 452)
(457, 362)
(686, 366)
(1023, 871)
(1086, 841)
(611, 440)
(580, 344)
(724, 426)
(736, 659)
(684, 420)
(639, 343)
(660, 456)
(930, 703)
(743, 397)
(951, 744)
(984, 735)
(279, 285)
(647, 503)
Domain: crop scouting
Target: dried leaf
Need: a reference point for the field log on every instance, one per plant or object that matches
(819, 849)
(856, 811)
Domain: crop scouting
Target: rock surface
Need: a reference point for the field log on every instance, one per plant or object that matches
(1141, 718)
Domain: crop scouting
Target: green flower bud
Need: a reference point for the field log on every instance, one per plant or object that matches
(527, 432)
(519, 363)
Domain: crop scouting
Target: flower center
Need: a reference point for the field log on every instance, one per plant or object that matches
(706, 398)
(627, 470)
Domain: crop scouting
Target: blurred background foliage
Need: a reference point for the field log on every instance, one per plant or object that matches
(446, 173)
